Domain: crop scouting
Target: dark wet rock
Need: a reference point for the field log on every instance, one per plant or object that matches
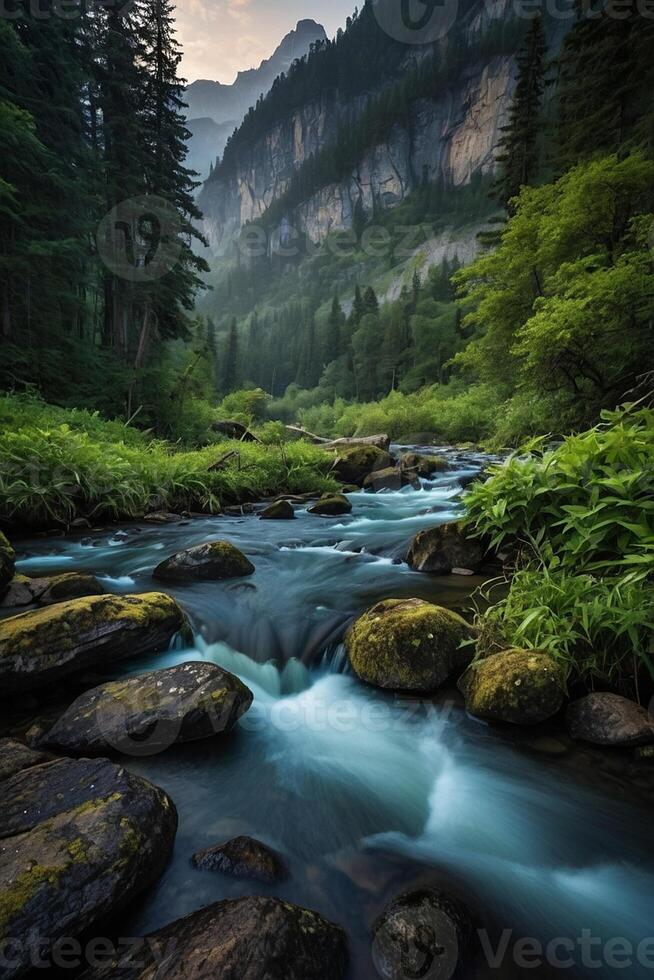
(243, 857)
(25, 591)
(162, 517)
(234, 430)
(7, 563)
(349, 546)
(421, 934)
(331, 505)
(522, 687)
(39, 646)
(14, 757)
(353, 465)
(147, 714)
(608, 719)
(211, 561)
(422, 465)
(381, 441)
(439, 550)
(280, 510)
(240, 939)
(391, 478)
(408, 645)
(79, 839)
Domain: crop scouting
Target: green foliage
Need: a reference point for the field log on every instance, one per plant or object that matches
(57, 465)
(246, 406)
(582, 519)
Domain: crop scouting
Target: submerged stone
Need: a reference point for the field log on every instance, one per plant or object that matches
(80, 839)
(440, 550)
(280, 510)
(408, 645)
(522, 687)
(243, 857)
(45, 644)
(603, 718)
(239, 939)
(147, 714)
(211, 561)
(331, 505)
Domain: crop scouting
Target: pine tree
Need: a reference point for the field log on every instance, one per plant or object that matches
(230, 364)
(334, 329)
(519, 146)
(370, 301)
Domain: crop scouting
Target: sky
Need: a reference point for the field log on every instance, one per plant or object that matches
(222, 37)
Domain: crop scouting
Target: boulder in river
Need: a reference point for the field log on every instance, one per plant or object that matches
(24, 591)
(250, 938)
(39, 646)
(408, 645)
(354, 464)
(421, 934)
(243, 857)
(423, 465)
(147, 714)
(439, 550)
(280, 510)
(391, 478)
(608, 719)
(15, 756)
(162, 517)
(212, 561)
(522, 687)
(79, 840)
(7, 563)
(331, 505)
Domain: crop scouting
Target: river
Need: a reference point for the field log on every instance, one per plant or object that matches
(367, 795)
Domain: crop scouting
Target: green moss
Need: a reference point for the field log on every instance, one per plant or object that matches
(18, 894)
(408, 644)
(517, 686)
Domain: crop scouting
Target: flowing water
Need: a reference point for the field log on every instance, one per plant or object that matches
(364, 794)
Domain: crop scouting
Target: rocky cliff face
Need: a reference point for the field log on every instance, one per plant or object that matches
(451, 136)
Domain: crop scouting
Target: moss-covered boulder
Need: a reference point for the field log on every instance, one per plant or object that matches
(602, 718)
(392, 478)
(408, 645)
(80, 839)
(46, 644)
(354, 464)
(24, 591)
(522, 687)
(147, 714)
(421, 934)
(331, 505)
(423, 465)
(7, 563)
(440, 549)
(243, 857)
(212, 561)
(280, 510)
(239, 939)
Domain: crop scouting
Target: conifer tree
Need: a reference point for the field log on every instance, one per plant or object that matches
(230, 364)
(334, 330)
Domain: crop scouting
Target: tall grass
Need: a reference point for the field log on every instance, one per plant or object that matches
(57, 465)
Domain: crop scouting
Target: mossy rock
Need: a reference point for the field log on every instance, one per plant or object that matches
(147, 714)
(280, 510)
(37, 647)
(440, 549)
(24, 591)
(212, 561)
(408, 645)
(354, 464)
(521, 687)
(7, 563)
(423, 465)
(243, 857)
(331, 505)
(81, 839)
(252, 938)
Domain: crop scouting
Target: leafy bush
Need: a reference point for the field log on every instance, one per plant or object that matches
(52, 471)
(581, 518)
